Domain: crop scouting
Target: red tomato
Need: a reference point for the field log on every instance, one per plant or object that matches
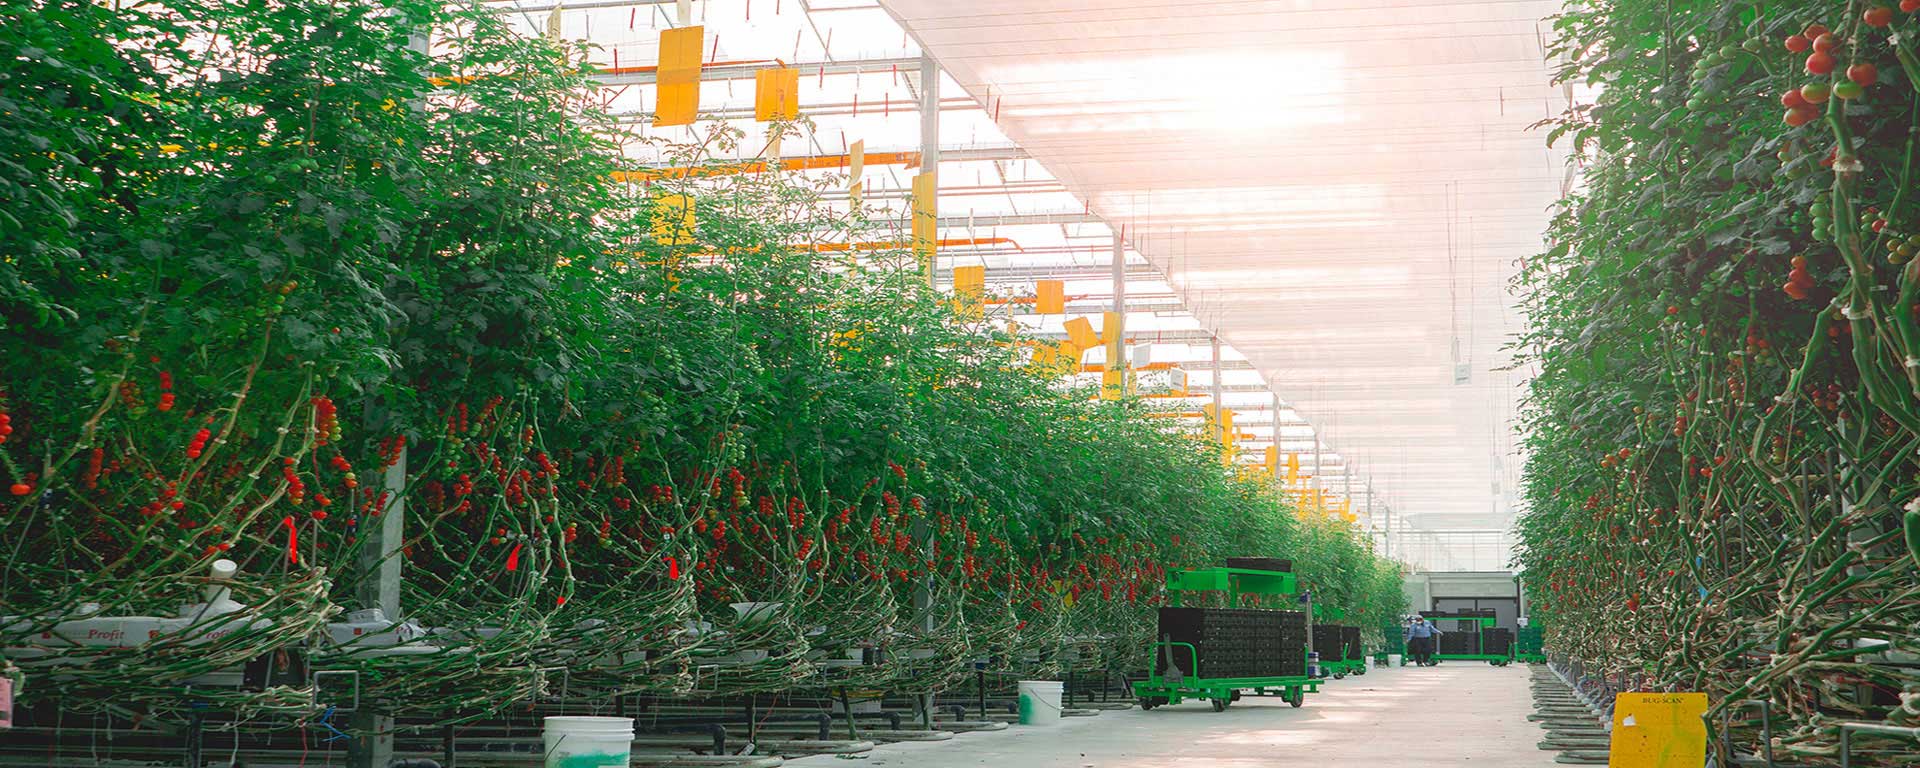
(1863, 73)
(1819, 63)
(1877, 16)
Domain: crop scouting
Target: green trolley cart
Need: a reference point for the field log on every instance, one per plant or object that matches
(1165, 686)
(1528, 644)
(1355, 665)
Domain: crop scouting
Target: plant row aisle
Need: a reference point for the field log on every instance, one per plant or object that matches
(1723, 470)
(272, 272)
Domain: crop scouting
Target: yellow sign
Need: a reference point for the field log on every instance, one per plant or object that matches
(776, 94)
(678, 76)
(1658, 730)
(926, 218)
(673, 220)
(856, 167)
(1050, 297)
(1080, 332)
(969, 291)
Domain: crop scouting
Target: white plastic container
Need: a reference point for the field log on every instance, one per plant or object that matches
(589, 742)
(1393, 659)
(1040, 702)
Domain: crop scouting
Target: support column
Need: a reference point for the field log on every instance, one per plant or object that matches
(372, 728)
(1346, 481)
(1279, 456)
(929, 166)
(1117, 348)
(930, 145)
(1218, 394)
(1319, 483)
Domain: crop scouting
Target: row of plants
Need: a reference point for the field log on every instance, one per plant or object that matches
(274, 274)
(1723, 434)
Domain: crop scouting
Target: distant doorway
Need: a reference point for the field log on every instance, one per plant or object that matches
(1506, 610)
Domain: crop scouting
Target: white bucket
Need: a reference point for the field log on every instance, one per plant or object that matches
(589, 742)
(1040, 702)
(1393, 659)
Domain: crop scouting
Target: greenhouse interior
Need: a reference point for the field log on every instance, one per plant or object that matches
(938, 383)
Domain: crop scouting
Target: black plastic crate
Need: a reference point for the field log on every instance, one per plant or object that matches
(1350, 636)
(1497, 641)
(1460, 643)
(1236, 642)
(1280, 564)
(1329, 643)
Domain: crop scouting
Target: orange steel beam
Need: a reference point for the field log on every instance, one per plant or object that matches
(1102, 367)
(881, 244)
(1031, 299)
(818, 162)
(442, 82)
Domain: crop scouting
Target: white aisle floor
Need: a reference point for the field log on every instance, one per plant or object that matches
(1456, 714)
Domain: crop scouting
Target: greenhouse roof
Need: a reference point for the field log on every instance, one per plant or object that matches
(1338, 204)
(1341, 189)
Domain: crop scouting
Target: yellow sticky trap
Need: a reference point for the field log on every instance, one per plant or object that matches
(1080, 332)
(776, 94)
(1053, 361)
(856, 167)
(926, 218)
(553, 24)
(1228, 436)
(673, 220)
(1113, 384)
(1658, 730)
(1271, 461)
(1112, 330)
(1050, 297)
(970, 291)
(679, 76)
(1293, 467)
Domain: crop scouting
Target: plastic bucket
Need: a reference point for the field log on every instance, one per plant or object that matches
(1393, 659)
(589, 742)
(1040, 702)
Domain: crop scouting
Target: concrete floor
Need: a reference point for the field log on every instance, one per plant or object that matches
(1456, 714)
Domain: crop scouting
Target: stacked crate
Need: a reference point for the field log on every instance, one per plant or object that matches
(1277, 564)
(1530, 640)
(1497, 641)
(1460, 643)
(1235, 642)
(1350, 637)
(1329, 640)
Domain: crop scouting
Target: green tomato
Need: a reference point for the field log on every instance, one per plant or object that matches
(1848, 89)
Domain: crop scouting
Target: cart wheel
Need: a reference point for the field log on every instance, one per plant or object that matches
(1220, 705)
(1339, 675)
(1147, 702)
(1235, 696)
(1296, 697)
